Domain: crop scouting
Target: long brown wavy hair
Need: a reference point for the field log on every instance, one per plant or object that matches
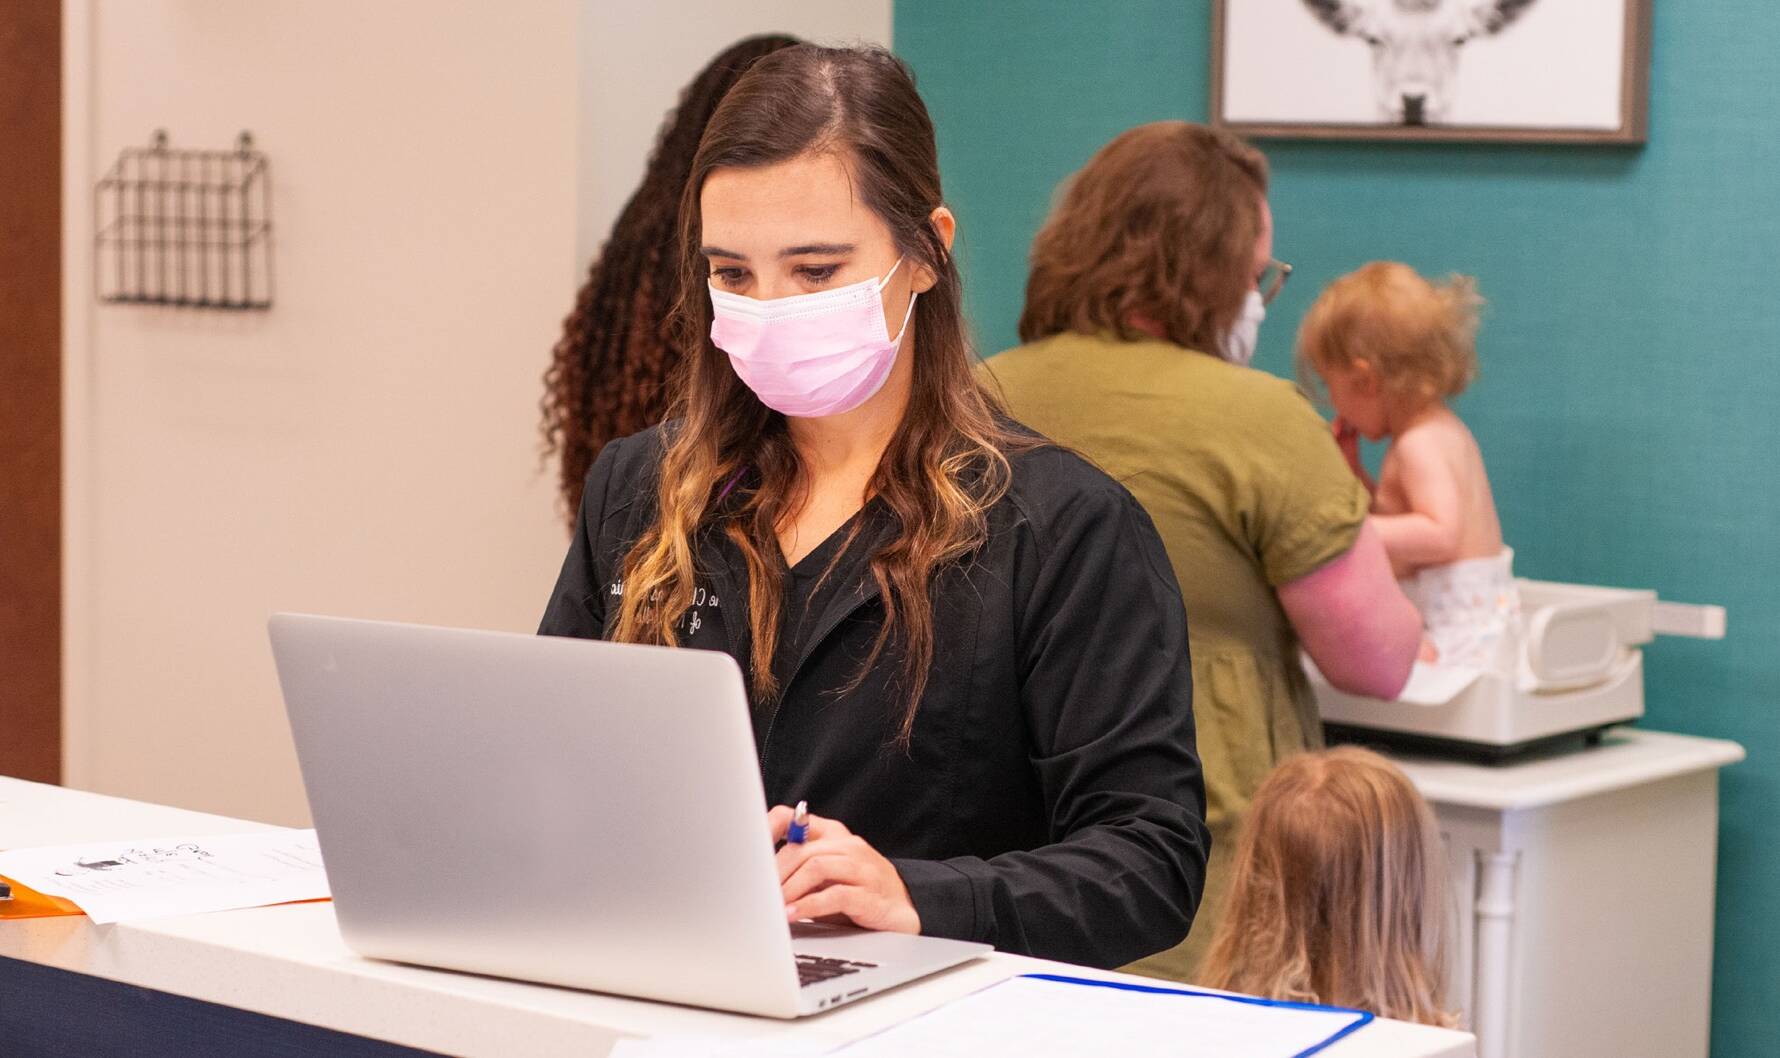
(1338, 893)
(730, 465)
(1161, 224)
(608, 375)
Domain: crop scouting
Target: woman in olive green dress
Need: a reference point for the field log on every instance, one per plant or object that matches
(1148, 284)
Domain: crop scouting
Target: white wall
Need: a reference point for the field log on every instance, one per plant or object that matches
(634, 59)
(441, 175)
(368, 446)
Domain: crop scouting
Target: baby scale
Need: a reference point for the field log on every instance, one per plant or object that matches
(1581, 671)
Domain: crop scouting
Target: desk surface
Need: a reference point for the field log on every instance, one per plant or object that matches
(290, 962)
(1627, 756)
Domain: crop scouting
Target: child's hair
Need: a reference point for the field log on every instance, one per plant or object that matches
(1338, 894)
(1419, 337)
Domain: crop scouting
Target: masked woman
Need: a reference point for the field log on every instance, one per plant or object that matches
(1148, 286)
(964, 646)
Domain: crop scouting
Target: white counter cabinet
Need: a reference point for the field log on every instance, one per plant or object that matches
(1584, 885)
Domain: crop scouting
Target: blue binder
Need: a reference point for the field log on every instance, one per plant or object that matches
(1360, 1017)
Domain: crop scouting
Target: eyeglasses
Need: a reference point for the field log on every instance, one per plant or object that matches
(1272, 279)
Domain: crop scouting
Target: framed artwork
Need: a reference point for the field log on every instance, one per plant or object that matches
(1538, 71)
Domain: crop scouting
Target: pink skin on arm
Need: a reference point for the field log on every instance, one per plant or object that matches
(1354, 621)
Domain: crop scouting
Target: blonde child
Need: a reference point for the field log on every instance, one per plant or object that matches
(1338, 892)
(1391, 349)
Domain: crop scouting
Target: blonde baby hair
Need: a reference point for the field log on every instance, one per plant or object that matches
(1420, 337)
(1338, 894)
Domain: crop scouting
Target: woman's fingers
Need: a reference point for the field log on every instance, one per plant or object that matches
(850, 902)
(819, 837)
(778, 820)
(790, 857)
(819, 871)
(819, 827)
(837, 874)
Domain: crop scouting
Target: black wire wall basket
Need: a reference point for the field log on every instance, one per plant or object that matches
(185, 228)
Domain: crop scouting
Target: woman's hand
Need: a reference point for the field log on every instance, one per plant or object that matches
(835, 875)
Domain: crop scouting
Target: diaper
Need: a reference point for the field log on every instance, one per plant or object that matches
(1471, 611)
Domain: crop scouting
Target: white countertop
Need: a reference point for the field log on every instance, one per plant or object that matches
(290, 962)
(1627, 756)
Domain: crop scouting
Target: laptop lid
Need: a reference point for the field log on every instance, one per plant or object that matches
(559, 810)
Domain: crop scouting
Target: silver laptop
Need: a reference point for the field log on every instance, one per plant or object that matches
(562, 811)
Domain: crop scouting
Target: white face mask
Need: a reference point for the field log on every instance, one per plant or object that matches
(1239, 344)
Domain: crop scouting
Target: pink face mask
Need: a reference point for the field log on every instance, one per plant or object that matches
(810, 355)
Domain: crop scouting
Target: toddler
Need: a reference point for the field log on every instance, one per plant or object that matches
(1338, 892)
(1391, 349)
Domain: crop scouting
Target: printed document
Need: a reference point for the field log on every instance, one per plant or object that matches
(117, 880)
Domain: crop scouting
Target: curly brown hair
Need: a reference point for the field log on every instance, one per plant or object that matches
(608, 375)
(1160, 225)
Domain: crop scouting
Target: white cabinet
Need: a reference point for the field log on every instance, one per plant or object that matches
(1583, 886)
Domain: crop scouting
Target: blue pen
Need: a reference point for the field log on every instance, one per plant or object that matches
(800, 824)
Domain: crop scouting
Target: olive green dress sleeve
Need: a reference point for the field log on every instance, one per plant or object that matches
(1311, 512)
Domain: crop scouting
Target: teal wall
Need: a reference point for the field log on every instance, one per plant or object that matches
(1630, 401)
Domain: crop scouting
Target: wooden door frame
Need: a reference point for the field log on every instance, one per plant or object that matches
(31, 411)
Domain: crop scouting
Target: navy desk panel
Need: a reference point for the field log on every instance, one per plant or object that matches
(50, 1013)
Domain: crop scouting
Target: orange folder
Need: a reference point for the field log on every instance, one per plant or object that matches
(29, 903)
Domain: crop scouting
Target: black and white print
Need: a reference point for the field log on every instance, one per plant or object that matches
(1535, 65)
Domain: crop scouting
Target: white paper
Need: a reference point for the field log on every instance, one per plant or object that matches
(1035, 1018)
(1427, 684)
(1437, 684)
(117, 880)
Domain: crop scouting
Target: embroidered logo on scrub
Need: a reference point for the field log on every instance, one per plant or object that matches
(690, 622)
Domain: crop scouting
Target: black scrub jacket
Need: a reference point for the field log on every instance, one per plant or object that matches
(1050, 800)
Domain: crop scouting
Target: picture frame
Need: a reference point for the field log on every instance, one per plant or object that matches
(1503, 71)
